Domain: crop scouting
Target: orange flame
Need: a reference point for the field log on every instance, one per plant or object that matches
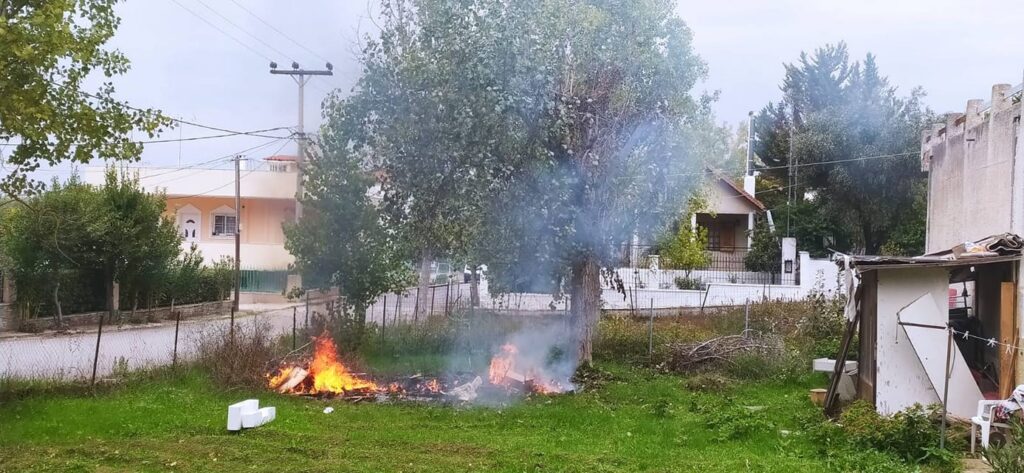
(329, 375)
(502, 363)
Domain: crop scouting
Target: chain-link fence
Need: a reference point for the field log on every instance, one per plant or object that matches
(96, 351)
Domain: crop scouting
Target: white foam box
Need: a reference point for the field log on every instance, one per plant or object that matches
(238, 410)
(259, 417)
(827, 365)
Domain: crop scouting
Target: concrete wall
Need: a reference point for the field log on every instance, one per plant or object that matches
(970, 159)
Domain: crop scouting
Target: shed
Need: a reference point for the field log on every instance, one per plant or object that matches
(922, 317)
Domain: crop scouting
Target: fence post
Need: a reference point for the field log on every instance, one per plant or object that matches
(706, 292)
(447, 294)
(383, 318)
(177, 325)
(307, 308)
(433, 293)
(650, 332)
(746, 318)
(295, 311)
(398, 307)
(231, 330)
(96, 356)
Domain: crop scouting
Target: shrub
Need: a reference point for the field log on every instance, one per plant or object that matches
(241, 359)
(734, 422)
(911, 435)
(1008, 457)
(689, 283)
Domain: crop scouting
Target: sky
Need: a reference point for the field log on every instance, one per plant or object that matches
(218, 75)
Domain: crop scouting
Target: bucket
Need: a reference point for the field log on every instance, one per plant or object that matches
(818, 396)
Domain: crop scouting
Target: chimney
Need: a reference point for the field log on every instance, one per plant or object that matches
(750, 185)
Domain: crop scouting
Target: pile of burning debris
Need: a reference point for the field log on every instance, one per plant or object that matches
(325, 376)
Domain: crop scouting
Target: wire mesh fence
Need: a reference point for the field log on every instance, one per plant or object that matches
(97, 351)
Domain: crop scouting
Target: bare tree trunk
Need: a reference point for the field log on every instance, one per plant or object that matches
(422, 296)
(359, 313)
(585, 306)
(474, 286)
(56, 305)
(113, 298)
(135, 305)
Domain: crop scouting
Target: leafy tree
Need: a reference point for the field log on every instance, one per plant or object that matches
(765, 253)
(75, 241)
(45, 247)
(134, 240)
(608, 85)
(426, 115)
(686, 248)
(854, 140)
(49, 49)
(340, 240)
(534, 136)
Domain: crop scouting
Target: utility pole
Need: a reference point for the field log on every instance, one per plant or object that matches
(791, 196)
(749, 166)
(301, 76)
(238, 231)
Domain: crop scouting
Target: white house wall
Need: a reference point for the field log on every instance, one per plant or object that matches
(901, 380)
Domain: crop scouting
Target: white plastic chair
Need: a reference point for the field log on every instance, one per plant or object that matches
(984, 422)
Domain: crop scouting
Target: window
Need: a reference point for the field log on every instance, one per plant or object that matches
(714, 236)
(224, 225)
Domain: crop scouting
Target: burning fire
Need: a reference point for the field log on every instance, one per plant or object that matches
(507, 369)
(325, 374)
(502, 364)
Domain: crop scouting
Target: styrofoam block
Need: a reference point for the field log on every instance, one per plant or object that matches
(258, 417)
(238, 410)
(827, 365)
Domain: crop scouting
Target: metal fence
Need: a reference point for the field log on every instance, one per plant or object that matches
(94, 352)
(723, 265)
(261, 280)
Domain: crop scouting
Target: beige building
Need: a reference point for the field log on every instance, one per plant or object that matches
(202, 203)
(732, 210)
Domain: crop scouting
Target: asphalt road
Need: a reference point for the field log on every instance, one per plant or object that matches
(70, 356)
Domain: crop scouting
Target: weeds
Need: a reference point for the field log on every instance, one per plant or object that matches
(238, 358)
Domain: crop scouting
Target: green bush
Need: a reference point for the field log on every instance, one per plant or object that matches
(1008, 457)
(689, 283)
(911, 436)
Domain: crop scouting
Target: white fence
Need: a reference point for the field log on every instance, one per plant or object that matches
(815, 275)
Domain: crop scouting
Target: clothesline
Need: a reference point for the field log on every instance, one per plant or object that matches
(989, 342)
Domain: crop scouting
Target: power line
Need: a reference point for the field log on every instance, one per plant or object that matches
(255, 133)
(225, 33)
(212, 161)
(282, 33)
(243, 30)
(209, 191)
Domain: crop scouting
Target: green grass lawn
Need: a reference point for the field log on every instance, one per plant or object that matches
(641, 421)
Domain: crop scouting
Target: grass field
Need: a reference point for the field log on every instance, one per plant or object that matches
(639, 421)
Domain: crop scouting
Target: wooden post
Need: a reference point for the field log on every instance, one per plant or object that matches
(1007, 336)
(96, 356)
(177, 326)
(650, 332)
(295, 311)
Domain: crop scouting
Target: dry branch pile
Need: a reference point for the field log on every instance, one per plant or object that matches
(718, 351)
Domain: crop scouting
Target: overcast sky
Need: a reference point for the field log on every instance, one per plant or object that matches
(954, 49)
